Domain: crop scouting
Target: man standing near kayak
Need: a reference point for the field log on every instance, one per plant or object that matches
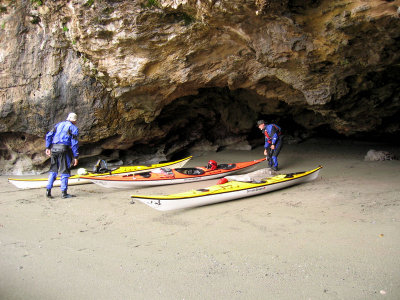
(273, 142)
(61, 142)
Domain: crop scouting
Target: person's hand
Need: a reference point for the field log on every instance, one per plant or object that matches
(48, 152)
(272, 147)
(75, 162)
(265, 152)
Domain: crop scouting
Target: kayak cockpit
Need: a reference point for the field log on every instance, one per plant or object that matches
(226, 166)
(190, 171)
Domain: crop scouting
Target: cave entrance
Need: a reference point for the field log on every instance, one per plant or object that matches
(220, 118)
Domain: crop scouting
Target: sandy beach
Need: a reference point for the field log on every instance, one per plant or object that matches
(337, 237)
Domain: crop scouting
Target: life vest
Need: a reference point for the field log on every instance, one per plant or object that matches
(277, 130)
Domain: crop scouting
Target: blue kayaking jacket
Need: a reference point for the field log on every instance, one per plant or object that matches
(64, 133)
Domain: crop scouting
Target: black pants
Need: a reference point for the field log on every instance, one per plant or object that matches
(272, 155)
(60, 160)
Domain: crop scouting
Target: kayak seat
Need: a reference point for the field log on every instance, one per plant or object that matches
(101, 170)
(226, 166)
(259, 181)
(290, 175)
(167, 171)
(190, 171)
(144, 174)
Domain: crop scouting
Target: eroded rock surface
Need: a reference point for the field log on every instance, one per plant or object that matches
(150, 79)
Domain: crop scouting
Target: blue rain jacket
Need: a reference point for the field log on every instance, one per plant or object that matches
(64, 133)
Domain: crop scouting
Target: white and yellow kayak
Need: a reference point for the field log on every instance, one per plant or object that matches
(34, 183)
(225, 192)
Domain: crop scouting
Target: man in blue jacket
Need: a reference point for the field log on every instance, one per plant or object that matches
(62, 147)
(273, 142)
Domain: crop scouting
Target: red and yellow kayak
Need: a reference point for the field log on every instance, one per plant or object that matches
(172, 176)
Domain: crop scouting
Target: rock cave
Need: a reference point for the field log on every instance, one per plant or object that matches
(155, 80)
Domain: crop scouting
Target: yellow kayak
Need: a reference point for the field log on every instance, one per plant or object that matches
(34, 183)
(225, 192)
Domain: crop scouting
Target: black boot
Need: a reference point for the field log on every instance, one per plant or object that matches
(66, 195)
(48, 193)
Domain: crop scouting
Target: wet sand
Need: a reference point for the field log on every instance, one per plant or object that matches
(337, 237)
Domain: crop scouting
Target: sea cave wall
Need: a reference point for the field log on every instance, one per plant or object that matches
(151, 80)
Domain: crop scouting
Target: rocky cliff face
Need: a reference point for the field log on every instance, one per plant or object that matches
(154, 78)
